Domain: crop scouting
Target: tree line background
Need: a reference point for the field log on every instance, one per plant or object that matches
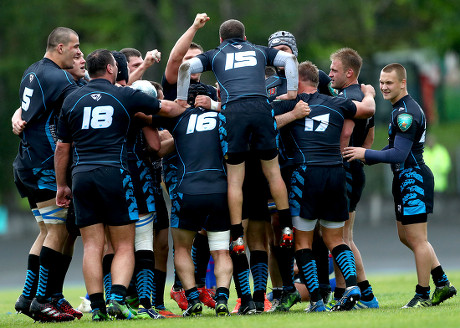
(321, 27)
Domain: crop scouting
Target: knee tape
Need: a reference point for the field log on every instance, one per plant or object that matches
(218, 240)
(143, 240)
(53, 214)
(37, 215)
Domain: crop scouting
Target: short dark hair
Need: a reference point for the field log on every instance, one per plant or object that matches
(232, 28)
(349, 58)
(97, 62)
(308, 72)
(194, 45)
(398, 68)
(59, 35)
(156, 85)
(130, 52)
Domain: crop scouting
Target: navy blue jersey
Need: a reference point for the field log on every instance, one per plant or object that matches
(170, 90)
(43, 89)
(317, 136)
(362, 126)
(408, 121)
(96, 119)
(200, 168)
(135, 142)
(239, 67)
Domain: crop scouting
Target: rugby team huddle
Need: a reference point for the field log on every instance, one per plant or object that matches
(270, 160)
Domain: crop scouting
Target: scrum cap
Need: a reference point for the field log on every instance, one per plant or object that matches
(283, 37)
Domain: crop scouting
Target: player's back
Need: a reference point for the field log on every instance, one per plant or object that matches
(97, 118)
(239, 67)
(317, 136)
(42, 90)
(200, 162)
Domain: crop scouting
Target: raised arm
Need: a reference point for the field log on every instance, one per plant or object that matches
(181, 47)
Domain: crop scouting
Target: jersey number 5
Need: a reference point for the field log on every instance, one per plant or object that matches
(240, 59)
(27, 94)
(99, 117)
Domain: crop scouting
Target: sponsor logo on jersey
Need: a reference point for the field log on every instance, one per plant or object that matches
(31, 78)
(237, 46)
(401, 109)
(96, 96)
(404, 121)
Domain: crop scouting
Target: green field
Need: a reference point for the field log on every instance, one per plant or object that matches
(393, 291)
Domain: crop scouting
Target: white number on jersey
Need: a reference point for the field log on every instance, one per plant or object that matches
(324, 119)
(202, 122)
(240, 59)
(99, 118)
(26, 98)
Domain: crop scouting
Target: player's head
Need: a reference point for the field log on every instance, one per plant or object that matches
(160, 94)
(285, 41)
(101, 63)
(134, 58)
(122, 76)
(308, 74)
(62, 46)
(78, 69)
(393, 79)
(345, 67)
(194, 50)
(232, 29)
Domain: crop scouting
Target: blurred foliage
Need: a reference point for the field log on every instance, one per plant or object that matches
(321, 27)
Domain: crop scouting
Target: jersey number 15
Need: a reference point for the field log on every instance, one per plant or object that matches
(240, 59)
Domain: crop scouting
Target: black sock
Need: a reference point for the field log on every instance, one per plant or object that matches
(345, 260)
(200, 256)
(118, 293)
(143, 272)
(321, 256)
(424, 292)
(222, 295)
(338, 292)
(31, 282)
(259, 270)
(285, 218)
(236, 231)
(308, 273)
(159, 278)
(64, 267)
(439, 276)
(106, 266)
(285, 258)
(192, 295)
(97, 302)
(366, 291)
(49, 271)
(241, 275)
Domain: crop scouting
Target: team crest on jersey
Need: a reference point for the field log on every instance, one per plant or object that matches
(31, 78)
(272, 91)
(96, 96)
(404, 121)
(237, 46)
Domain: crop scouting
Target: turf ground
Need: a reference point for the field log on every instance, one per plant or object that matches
(392, 290)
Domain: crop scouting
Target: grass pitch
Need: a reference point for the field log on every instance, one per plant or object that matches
(393, 291)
